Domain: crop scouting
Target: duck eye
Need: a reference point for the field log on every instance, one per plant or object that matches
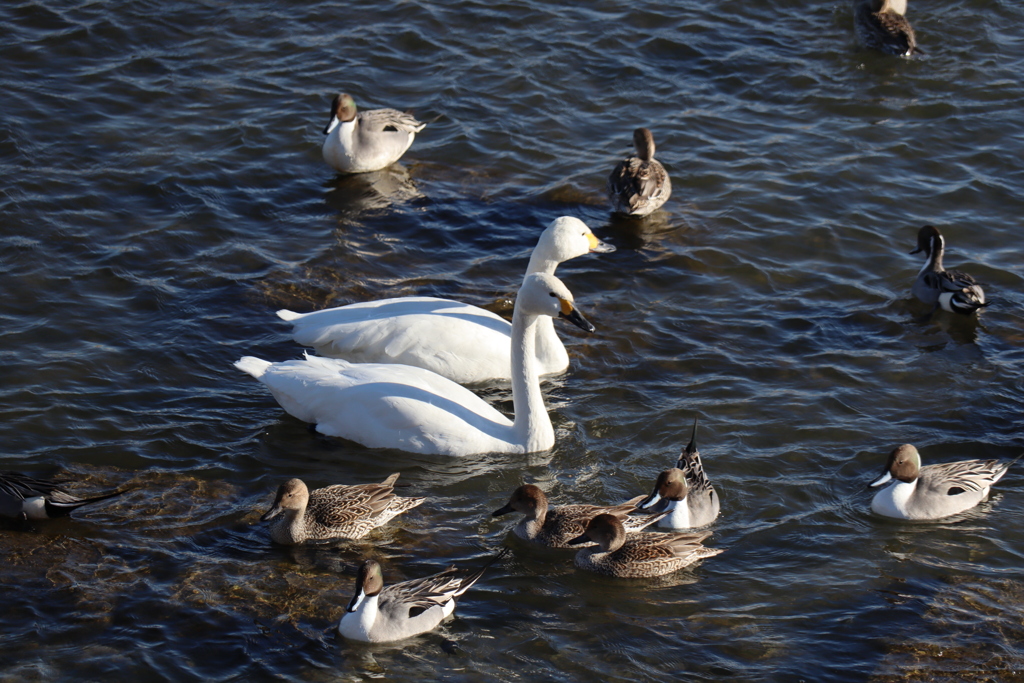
(552, 294)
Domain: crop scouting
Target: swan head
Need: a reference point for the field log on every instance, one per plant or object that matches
(605, 530)
(291, 496)
(543, 294)
(343, 108)
(527, 499)
(369, 582)
(566, 238)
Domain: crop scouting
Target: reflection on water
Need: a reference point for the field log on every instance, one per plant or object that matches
(355, 194)
(164, 195)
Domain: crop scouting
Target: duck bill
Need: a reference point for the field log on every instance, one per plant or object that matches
(884, 479)
(599, 247)
(502, 511)
(271, 513)
(579, 540)
(576, 319)
(653, 502)
(353, 604)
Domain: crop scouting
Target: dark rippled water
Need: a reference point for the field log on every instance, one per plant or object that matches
(163, 194)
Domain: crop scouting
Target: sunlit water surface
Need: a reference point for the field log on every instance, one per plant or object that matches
(163, 194)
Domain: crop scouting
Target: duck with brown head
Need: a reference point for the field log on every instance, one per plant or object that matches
(950, 290)
(359, 142)
(639, 184)
(933, 491)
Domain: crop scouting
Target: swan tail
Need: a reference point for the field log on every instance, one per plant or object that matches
(252, 365)
(285, 314)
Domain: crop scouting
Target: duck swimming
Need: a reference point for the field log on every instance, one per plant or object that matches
(952, 290)
(880, 25)
(337, 511)
(367, 140)
(637, 556)
(933, 491)
(557, 527)
(464, 343)
(412, 409)
(639, 185)
(381, 614)
(684, 491)
(25, 497)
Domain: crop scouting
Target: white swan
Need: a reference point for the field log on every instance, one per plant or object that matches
(464, 343)
(399, 406)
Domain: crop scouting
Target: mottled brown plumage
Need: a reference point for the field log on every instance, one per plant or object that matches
(556, 527)
(881, 26)
(337, 511)
(640, 555)
(639, 185)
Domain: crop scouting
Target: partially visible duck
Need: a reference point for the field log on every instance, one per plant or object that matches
(557, 527)
(25, 497)
(684, 491)
(952, 290)
(933, 491)
(640, 555)
(467, 344)
(415, 410)
(367, 140)
(639, 185)
(881, 26)
(381, 614)
(337, 511)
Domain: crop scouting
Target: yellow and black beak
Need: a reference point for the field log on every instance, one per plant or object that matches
(572, 315)
(597, 246)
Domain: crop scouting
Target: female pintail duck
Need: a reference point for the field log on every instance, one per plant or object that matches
(639, 185)
(881, 25)
(933, 491)
(640, 555)
(379, 614)
(684, 491)
(337, 511)
(953, 290)
(556, 527)
(412, 409)
(464, 343)
(25, 497)
(369, 140)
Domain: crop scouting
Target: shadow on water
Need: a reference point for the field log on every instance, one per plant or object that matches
(355, 194)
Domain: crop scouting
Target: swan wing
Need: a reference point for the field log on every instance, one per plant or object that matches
(461, 342)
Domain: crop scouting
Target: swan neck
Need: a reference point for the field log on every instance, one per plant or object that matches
(531, 425)
(541, 263)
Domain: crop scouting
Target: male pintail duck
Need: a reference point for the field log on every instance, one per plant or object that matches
(637, 556)
(368, 140)
(415, 410)
(952, 290)
(639, 185)
(933, 491)
(464, 343)
(557, 527)
(684, 491)
(881, 25)
(337, 511)
(25, 497)
(379, 614)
